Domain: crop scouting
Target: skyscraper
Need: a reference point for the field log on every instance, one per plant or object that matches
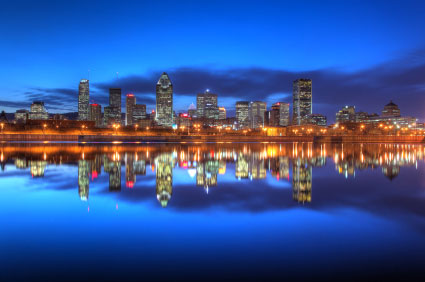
(96, 114)
(302, 100)
(207, 105)
(83, 100)
(139, 113)
(113, 112)
(283, 114)
(164, 101)
(242, 114)
(256, 112)
(221, 113)
(130, 102)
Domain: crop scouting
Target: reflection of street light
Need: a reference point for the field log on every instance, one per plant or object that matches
(2, 126)
(44, 128)
(116, 126)
(135, 127)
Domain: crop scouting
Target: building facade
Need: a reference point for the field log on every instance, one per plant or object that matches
(346, 114)
(38, 111)
(130, 102)
(21, 116)
(221, 113)
(83, 100)
(96, 114)
(302, 100)
(139, 113)
(242, 114)
(256, 113)
(164, 101)
(207, 105)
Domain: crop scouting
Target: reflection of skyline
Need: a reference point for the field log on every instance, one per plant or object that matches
(211, 162)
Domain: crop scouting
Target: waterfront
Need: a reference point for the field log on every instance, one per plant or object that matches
(211, 211)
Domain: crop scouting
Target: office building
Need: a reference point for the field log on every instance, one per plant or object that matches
(207, 105)
(192, 111)
(139, 113)
(130, 102)
(242, 114)
(279, 114)
(221, 113)
(302, 100)
(83, 100)
(38, 111)
(21, 116)
(316, 119)
(96, 114)
(164, 101)
(391, 110)
(346, 114)
(256, 114)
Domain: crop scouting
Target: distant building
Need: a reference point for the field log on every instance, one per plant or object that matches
(279, 114)
(302, 100)
(109, 115)
(164, 101)
(38, 111)
(96, 114)
(115, 105)
(242, 114)
(207, 105)
(192, 111)
(316, 119)
(256, 113)
(183, 120)
(139, 113)
(83, 100)
(130, 102)
(346, 114)
(391, 110)
(21, 116)
(221, 113)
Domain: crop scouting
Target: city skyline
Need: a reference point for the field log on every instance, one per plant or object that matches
(367, 66)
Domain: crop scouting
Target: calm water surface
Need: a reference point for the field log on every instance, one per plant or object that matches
(212, 211)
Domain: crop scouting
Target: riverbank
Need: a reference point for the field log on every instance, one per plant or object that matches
(209, 138)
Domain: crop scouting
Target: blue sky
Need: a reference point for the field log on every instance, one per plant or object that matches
(357, 52)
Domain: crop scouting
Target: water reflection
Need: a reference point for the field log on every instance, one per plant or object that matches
(206, 163)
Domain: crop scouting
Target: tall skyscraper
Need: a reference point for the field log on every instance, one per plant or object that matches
(83, 100)
(113, 112)
(96, 114)
(221, 113)
(302, 100)
(130, 102)
(207, 105)
(256, 113)
(164, 101)
(242, 114)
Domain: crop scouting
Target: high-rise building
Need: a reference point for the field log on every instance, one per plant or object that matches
(130, 102)
(207, 105)
(96, 114)
(242, 114)
(139, 113)
(346, 114)
(112, 113)
(38, 111)
(256, 113)
(302, 100)
(221, 113)
(164, 101)
(283, 114)
(192, 111)
(83, 100)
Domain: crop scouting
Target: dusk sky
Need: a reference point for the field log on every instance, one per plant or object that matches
(356, 52)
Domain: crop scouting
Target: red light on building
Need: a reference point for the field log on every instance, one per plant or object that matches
(94, 175)
(129, 184)
(130, 95)
(94, 105)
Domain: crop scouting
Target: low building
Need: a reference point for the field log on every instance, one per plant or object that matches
(346, 114)
(315, 119)
(38, 111)
(21, 116)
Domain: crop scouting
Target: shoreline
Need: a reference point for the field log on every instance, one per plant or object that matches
(209, 138)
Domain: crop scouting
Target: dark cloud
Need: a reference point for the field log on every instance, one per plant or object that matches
(401, 80)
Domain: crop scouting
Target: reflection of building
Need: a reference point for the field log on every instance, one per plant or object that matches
(83, 100)
(21, 163)
(37, 168)
(164, 178)
(301, 181)
(83, 179)
(242, 167)
(130, 176)
(206, 173)
(302, 100)
(164, 101)
(257, 167)
(114, 170)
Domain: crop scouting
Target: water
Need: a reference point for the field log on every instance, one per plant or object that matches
(211, 211)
